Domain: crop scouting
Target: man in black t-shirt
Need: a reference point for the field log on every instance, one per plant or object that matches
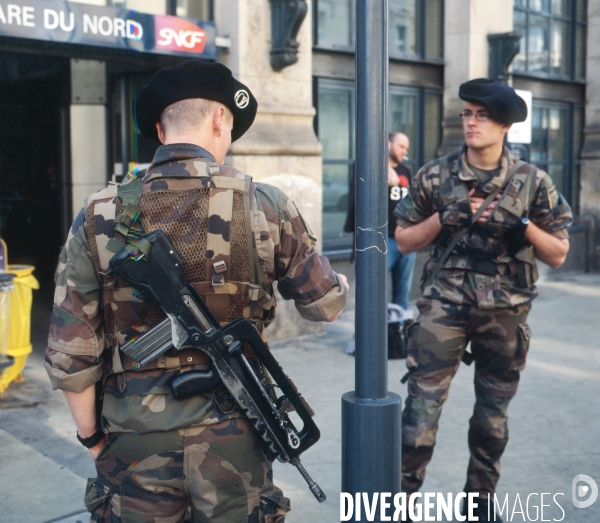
(401, 265)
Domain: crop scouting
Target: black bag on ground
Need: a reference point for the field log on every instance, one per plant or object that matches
(398, 322)
(397, 343)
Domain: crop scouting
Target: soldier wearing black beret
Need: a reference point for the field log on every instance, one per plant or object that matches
(486, 218)
(160, 456)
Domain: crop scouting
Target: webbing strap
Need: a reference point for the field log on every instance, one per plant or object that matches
(218, 237)
(127, 223)
(479, 212)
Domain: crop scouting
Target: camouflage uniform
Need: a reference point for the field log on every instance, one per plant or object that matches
(482, 294)
(212, 214)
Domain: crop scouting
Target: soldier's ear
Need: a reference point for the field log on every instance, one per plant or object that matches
(161, 133)
(219, 120)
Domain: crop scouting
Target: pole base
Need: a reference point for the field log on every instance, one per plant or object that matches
(371, 444)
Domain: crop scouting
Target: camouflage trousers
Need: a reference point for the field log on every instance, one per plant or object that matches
(499, 343)
(212, 474)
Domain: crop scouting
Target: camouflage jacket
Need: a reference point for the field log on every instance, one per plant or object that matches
(82, 350)
(482, 270)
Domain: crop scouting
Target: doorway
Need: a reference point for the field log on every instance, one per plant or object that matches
(34, 179)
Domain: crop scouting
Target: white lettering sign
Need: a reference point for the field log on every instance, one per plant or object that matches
(105, 26)
(187, 39)
(112, 27)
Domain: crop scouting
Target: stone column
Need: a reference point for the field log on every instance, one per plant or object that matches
(466, 53)
(281, 147)
(589, 196)
(88, 129)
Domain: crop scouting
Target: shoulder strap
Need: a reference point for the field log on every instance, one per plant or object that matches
(127, 223)
(444, 172)
(479, 212)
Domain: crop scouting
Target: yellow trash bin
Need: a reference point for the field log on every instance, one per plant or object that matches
(6, 286)
(19, 328)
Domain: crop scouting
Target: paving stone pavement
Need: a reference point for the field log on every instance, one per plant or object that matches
(554, 421)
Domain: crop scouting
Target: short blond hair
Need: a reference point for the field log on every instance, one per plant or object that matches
(189, 113)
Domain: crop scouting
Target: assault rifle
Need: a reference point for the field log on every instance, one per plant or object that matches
(190, 324)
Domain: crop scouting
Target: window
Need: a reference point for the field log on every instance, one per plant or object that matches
(554, 149)
(195, 9)
(415, 112)
(336, 132)
(415, 27)
(335, 23)
(554, 34)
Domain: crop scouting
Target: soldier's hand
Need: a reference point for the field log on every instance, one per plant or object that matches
(343, 278)
(477, 202)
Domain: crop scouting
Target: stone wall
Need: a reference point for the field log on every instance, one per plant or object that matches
(466, 52)
(281, 147)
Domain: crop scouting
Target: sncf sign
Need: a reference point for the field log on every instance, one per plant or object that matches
(177, 34)
(75, 23)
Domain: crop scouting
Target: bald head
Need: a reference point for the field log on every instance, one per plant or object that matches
(189, 116)
(398, 145)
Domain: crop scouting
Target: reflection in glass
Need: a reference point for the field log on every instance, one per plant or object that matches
(581, 10)
(557, 134)
(433, 29)
(335, 23)
(539, 123)
(560, 48)
(554, 37)
(538, 44)
(557, 173)
(549, 142)
(577, 131)
(519, 63)
(402, 21)
(199, 9)
(433, 110)
(540, 5)
(560, 7)
(334, 123)
(402, 115)
(580, 53)
(336, 184)
(335, 187)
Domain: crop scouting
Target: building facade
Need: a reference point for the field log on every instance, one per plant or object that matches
(67, 126)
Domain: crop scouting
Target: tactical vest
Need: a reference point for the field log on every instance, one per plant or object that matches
(208, 220)
(484, 248)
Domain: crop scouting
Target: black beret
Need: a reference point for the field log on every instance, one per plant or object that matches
(194, 79)
(501, 101)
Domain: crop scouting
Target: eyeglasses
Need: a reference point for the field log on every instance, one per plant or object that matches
(480, 116)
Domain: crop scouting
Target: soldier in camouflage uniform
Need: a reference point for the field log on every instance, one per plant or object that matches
(198, 458)
(479, 281)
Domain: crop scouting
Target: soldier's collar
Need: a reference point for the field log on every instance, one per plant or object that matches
(179, 151)
(466, 174)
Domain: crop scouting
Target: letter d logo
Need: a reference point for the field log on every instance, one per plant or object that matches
(580, 491)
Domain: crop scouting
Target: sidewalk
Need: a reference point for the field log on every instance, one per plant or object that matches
(554, 421)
